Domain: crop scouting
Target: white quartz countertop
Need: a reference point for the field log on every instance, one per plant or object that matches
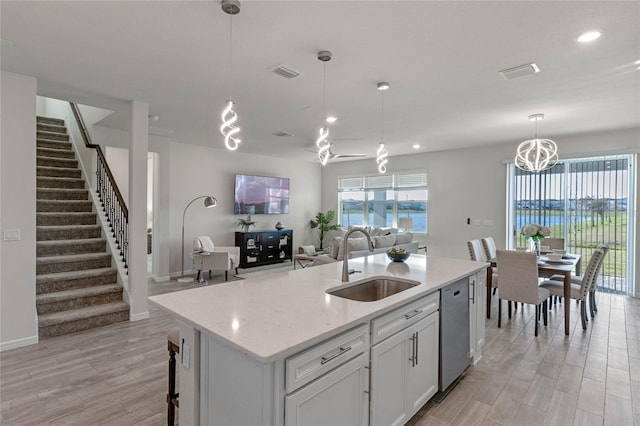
(276, 315)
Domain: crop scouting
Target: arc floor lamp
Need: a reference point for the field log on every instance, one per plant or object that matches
(209, 202)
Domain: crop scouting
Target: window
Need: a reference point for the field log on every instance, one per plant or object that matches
(381, 200)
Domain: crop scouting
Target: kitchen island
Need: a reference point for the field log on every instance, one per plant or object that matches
(252, 349)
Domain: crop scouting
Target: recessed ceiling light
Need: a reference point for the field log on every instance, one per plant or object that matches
(589, 36)
(332, 119)
(416, 146)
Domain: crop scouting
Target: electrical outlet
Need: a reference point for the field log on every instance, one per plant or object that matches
(12, 235)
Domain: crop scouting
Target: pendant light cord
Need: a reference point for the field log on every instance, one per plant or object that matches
(230, 55)
(382, 116)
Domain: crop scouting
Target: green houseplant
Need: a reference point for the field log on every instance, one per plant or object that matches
(246, 223)
(323, 223)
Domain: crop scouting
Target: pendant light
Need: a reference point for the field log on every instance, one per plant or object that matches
(381, 154)
(322, 143)
(536, 155)
(229, 117)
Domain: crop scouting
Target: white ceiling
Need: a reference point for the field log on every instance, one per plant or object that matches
(441, 59)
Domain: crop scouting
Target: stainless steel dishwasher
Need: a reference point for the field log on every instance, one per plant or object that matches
(454, 333)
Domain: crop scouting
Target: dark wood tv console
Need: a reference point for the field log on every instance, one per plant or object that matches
(264, 247)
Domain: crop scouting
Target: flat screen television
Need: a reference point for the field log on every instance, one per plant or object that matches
(261, 195)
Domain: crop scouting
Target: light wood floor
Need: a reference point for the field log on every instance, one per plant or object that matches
(116, 375)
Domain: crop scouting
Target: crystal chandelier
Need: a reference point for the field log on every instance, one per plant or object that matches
(229, 117)
(382, 154)
(324, 147)
(536, 155)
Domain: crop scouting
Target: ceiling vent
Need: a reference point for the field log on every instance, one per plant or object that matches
(286, 72)
(519, 71)
(283, 133)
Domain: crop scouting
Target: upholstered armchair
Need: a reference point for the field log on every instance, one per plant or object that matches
(210, 257)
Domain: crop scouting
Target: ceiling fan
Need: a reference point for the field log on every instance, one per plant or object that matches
(333, 155)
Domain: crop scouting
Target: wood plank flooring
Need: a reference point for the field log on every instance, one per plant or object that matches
(116, 374)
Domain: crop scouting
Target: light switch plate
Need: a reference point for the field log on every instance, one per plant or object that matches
(12, 235)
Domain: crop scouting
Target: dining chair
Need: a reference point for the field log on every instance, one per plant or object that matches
(476, 253)
(577, 279)
(489, 246)
(519, 282)
(579, 291)
(554, 243)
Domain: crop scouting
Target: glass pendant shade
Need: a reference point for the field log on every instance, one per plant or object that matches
(381, 158)
(228, 128)
(324, 147)
(536, 155)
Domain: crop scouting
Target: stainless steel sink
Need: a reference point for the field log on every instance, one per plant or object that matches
(373, 289)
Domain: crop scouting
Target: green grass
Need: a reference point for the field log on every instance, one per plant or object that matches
(586, 235)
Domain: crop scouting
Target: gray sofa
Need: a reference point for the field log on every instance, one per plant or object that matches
(358, 247)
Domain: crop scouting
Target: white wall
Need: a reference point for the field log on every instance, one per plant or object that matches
(187, 171)
(471, 183)
(18, 319)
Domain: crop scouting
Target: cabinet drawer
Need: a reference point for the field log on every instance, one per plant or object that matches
(394, 321)
(320, 359)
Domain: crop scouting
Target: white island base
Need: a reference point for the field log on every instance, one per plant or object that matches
(278, 350)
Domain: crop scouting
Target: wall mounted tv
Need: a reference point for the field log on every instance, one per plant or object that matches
(261, 195)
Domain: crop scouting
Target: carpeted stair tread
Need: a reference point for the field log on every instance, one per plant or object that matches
(63, 163)
(52, 136)
(65, 218)
(81, 314)
(78, 242)
(59, 145)
(44, 120)
(59, 296)
(60, 182)
(46, 171)
(55, 153)
(71, 257)
(59, 276)
(61, 194)
(50, 127)
(70, 232)
(66, 206)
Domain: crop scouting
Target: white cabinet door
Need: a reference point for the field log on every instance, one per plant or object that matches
(422, 371)
(389, 362)
(338, 398)
(404, 372)
(477, 296)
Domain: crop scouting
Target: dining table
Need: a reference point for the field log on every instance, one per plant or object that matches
(570, 262)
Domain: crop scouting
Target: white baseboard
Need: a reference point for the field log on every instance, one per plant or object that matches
(160, 279)
(139, 316)
(18, 343)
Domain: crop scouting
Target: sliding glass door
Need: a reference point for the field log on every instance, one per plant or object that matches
(585, 203)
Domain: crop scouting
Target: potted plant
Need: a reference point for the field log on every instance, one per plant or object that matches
(246, 223)
(323, 223)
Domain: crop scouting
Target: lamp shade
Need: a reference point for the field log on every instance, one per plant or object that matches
(405, 223)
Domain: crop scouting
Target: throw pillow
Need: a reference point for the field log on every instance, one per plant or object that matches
(385, 241)
(404, 238)
(355, 244)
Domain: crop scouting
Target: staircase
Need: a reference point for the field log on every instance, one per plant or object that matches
(76, 286)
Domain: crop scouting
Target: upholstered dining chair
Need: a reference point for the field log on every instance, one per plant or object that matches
(489, 246)
(579, 291)
(476, 253)
(519, 282)
(210, 257)
(554, 243)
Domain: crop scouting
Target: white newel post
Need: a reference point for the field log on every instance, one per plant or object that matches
(137, 202)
